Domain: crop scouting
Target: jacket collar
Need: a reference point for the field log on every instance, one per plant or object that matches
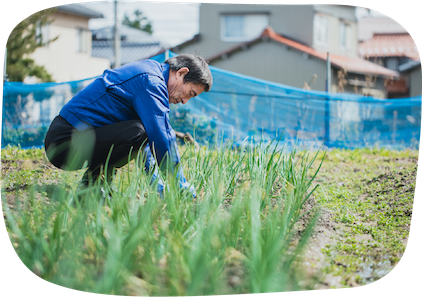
(166, 72)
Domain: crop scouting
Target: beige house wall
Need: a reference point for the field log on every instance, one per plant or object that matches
(333, 45)
(291, 21)
(275, 62)
(61, 57)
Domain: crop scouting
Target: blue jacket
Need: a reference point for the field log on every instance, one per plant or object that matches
(136, 90)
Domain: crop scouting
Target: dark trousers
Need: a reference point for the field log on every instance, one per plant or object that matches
(70, 149)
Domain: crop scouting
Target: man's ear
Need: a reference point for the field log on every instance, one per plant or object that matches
(183, 71)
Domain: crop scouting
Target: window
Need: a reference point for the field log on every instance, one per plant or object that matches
(41, 34)
(320, 29)
(82, 41)
(242, 27)
(392, 63)
(344, 35)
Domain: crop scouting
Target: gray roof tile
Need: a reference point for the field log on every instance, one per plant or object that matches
(130, 51)
(126, 32)
(80, 10)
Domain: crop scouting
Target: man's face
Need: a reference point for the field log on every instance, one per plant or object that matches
(180, 92)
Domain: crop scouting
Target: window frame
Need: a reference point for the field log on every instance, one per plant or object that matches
(392, 63)
(82, 40)
(223, 29)
(346, 31)
(315, 28)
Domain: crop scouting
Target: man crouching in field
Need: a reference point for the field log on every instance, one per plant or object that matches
(125, 110)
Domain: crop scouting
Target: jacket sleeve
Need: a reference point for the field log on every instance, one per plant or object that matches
(152, 106)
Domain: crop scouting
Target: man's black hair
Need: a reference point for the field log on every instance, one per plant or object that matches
(199, 72)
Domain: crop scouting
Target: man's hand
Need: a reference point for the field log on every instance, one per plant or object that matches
(188, 187)
(156, 178)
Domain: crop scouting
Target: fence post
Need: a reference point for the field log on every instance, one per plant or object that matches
(327, 87)
(327, 102)
(395, 113)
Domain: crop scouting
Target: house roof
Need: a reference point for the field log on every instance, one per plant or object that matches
(389, 45)
(351, 64)
(409, 66)
(194, 39)
(369, 26)
(130, 51)
(80, 10)
(128, 33)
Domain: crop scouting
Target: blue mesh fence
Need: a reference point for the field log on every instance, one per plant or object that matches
(239, 107)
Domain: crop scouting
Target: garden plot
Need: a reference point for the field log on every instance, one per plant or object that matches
(259, 223)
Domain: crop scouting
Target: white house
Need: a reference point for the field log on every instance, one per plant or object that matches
(69, 57)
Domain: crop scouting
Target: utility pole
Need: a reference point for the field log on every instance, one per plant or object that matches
(117, 55)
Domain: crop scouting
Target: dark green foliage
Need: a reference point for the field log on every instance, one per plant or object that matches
(140, 22)
(203, 129)
(28, 137)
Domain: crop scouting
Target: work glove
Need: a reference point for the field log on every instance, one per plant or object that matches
(156, 178)
(183, 183)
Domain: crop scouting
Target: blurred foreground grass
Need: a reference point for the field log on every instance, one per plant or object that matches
(239, 236)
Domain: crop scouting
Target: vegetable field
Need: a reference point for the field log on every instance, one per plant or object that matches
(264, 220)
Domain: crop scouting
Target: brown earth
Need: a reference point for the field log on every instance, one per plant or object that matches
(401, 175)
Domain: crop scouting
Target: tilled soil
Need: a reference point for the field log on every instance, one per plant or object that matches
(392, 186)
